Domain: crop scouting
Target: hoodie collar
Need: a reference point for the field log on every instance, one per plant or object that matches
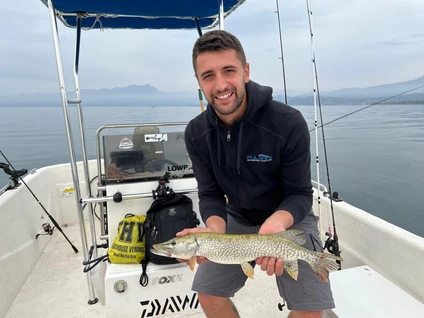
(257, 97)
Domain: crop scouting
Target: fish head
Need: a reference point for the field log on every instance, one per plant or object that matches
(183, 247)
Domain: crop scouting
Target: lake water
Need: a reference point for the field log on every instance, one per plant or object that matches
(375, 157)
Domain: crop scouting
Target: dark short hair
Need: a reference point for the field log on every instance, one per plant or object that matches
(217, 40)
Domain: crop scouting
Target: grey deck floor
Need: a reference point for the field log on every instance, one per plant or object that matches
(58, 287)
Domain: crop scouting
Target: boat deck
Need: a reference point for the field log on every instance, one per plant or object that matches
(58, 287)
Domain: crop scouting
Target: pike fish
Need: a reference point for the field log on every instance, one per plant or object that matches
(243, 248)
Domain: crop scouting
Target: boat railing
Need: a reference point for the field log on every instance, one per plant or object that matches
(321, 187)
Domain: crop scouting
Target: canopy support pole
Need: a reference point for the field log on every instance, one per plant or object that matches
(81, 124)
(199, 30)
(221, 14)
(74, 170)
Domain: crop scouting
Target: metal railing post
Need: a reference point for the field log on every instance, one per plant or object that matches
(77, 195)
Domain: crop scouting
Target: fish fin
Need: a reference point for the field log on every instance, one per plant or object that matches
(247, 269)
(192, 262)
(323, 263)
(297, 236)
(291, 267)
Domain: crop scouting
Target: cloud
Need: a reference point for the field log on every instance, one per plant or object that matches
(417, 35)
(357, 43)
(404, 39)
(394, 42)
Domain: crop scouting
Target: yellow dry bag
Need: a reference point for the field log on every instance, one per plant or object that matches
(128, 247)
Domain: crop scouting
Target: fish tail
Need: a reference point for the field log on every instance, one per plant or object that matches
(323, 263)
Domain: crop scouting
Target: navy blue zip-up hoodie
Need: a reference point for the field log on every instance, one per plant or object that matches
(262, 163)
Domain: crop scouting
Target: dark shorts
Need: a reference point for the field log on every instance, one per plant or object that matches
(308, 293)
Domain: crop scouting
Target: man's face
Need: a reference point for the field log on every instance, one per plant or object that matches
(222, 77)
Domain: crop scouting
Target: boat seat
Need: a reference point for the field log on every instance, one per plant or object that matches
(362, 292)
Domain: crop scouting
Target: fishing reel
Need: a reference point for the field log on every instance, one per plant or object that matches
(14, 174)
(48, 230)
(332, 245)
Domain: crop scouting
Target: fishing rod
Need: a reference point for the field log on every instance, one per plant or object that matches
(373, 104)
(48, 214)
(332, 243)
(315, 83)
(281, 49)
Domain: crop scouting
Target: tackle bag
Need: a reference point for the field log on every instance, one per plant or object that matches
(168, 215)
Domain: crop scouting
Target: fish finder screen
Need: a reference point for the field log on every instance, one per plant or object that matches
(146, 154)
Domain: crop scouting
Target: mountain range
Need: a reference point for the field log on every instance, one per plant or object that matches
(366, 95)
(147, 95)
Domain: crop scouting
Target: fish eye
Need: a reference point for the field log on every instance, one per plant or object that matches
(173, 243)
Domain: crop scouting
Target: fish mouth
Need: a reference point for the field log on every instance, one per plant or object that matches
(160, 253)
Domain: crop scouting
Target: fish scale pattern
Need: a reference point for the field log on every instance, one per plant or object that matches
(242, 248)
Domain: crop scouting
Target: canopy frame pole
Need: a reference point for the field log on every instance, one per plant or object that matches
(199, 90)
(221, 14)
(83, 143)
(74, 170)
(199, 29)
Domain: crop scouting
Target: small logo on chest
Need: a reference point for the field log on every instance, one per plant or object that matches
(259, 158)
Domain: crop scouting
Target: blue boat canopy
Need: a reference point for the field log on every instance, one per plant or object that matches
(142, 14)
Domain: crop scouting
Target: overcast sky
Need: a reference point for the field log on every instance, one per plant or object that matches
(358, 43)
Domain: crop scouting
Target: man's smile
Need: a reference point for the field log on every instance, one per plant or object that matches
(223, 97)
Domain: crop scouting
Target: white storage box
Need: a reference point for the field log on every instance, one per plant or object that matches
(168, 293)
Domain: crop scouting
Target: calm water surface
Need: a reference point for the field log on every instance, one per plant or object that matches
(375, 157)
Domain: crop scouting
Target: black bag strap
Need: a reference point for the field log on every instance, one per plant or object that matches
(95, 261)
(163, 197)
(144, 279)
(163, 202)
(170, 200)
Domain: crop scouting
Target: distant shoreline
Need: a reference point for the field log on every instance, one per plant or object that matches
(153, 106)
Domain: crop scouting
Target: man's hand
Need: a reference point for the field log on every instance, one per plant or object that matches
(214, 224)
(199, 259)
(279, 221)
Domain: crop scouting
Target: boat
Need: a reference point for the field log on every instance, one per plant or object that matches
(58, 221)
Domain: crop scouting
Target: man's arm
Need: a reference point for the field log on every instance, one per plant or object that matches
(296, 172)
(297, 187)
(211, 197)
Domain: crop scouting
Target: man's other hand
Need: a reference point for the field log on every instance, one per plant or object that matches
(274, 224)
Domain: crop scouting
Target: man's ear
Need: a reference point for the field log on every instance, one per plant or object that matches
(197, 79)
(247, 72)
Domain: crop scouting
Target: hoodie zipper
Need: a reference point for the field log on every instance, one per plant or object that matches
(244, 202)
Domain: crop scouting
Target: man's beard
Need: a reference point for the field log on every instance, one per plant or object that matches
(225, 110)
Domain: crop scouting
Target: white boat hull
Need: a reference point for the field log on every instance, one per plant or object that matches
(50, 281)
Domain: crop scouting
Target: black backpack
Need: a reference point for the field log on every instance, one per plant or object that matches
(169, 214)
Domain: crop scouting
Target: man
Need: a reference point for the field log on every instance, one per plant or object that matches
(254, 151)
